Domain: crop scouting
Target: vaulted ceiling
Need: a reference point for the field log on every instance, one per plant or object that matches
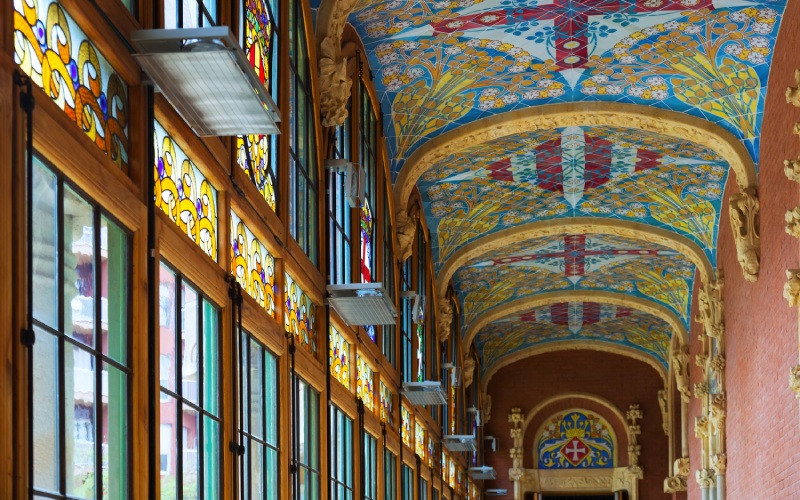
(571, 156)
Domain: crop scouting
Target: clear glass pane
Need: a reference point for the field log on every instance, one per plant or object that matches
(168, 445)
(170, 15)
(190, 428)
(114, 286)
(210, 359)
(43, 242)
(256, 470)
(45, 411)
(167, 321)
(211, 437)
(80, 421)
(189, 344)
(245, 387)
(78, 275)
(115, 433)
(256, 390)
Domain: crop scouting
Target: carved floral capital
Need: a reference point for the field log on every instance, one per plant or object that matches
(791, 289)
(675, 484)
(705, 477)
(719, 463)
(793, 93)
(682, 466)
(791, 168)
(794, 380)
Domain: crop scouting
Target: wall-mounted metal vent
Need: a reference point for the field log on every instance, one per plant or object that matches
(362, 304)
(496, 492)
(482, 473)
(355, 179)
(464, 442)
(424, 393)
(207, 78)
(490, 443)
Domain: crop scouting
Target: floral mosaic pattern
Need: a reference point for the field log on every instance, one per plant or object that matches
(443, 64)
(365, 387)
(339, 357)
(253, 265)
(183, 193)
(575, 440)
(300, 314)
(58, 57)
(576, 262)
(617, 173)
(573, 321)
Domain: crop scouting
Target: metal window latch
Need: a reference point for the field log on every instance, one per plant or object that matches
(27, 337)
(237, 448)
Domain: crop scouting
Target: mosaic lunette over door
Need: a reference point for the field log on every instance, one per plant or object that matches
(575, 439)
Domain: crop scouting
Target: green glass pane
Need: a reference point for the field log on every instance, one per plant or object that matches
(211, 450)
(115, 433)
(43, 241)
(271, 398)
(273, 485)
(210, 358)
(78, 276)
(114, 290)
(45, 411)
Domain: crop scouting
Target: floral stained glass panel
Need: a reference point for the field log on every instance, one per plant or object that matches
(367, 224)
(300, 314)
(387, 404)
(339, 356)
(252, 265)
(184, 194)
(58, 57)
(419, 440)
(365, 389)
(431, 451)
(451, 474)
(420, 353)
(255, 154)
(405, 425)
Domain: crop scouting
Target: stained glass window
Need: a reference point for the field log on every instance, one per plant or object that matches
(419, 440)
(252, 265)
(339, 356)
(257, 155)
(431, 451)
(366, 242)
(387, 405)
(81, 368)
(300, 314)
(339, 211)
(405, 425)
(365, 388)
(184, 194)
(445, 470)
(59, 58)
(451, 474)
(367, 139)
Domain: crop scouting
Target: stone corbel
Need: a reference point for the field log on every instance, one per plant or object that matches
(680, 361)
(469, 371)
(791, 290)
(792, 219)
(334, 84)
(682, 467)
(793, 93)
(701, 427)
(663, 405)
(794, 380)
(744, 221)
(675, 484)
(406, 233)
(705, 477)
(791, 168)
(711, 307)
(445, 319)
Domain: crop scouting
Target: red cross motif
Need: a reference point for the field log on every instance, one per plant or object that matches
(575, 451)
(575, 254)
(571, 20)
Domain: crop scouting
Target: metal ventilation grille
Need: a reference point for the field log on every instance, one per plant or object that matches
(424, 393)
(362, 304)
(496, 493)
(482, 473)
(207, 79)
(460, 443)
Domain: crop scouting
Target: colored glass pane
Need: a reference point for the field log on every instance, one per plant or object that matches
(405, 425)
(252, 265)
(300, 314)
(431, 451)
(339, 356)
(387, 404)
(452, 411)
(184, 194)
(444, 465)
(59, 57)
(366, 242)
(255, 154)
(419, 440)
(451, 474)
(370, 332)
(420, 353)
(365, 389)
(575, 439)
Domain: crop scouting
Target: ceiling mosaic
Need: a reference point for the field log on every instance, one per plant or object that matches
(619, 173)
(576, 262)
(441, 64)
(574, 321)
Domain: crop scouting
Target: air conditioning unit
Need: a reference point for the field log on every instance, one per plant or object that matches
(424, 393)
(355, 179)
(477, 413)
(362, 304)
(482, 473)
(491, 443)
(463, 442)
(206, 77)
(418, 309)
(496, 492)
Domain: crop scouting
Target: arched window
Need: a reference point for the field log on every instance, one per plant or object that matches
(257, 155)
(303, 191)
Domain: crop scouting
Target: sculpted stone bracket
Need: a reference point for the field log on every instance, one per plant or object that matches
(406, 225)
(663, 406)
(744, 208)
(678, 481)
(334, 84)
